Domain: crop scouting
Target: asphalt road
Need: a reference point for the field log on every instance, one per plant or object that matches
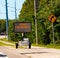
(11, 52)
(34, 52)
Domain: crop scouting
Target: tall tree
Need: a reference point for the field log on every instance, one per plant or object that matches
(45, 8)
(2, 26)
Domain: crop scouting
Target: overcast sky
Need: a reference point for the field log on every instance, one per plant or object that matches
(11, 13)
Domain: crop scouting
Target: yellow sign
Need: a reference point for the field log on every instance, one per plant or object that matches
(52, 18)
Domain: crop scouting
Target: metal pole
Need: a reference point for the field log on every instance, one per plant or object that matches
(22, 34)
(15, 11)
(35, 21)
(6, 19)
(53, 34)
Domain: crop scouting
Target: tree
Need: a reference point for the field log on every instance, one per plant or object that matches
(2, 26)
(12, 34)
(27, 15)
(45, 8)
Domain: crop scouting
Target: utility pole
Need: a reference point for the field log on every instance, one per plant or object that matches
(35, 10)
(15, 11)
(6, 19)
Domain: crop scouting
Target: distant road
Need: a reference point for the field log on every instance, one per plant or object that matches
(3, 36)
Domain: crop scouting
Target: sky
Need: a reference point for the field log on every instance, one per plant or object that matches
(11, 9)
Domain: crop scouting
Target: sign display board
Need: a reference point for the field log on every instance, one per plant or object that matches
(22, 27)
(52, 18)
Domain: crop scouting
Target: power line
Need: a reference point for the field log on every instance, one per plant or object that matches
(15, 9)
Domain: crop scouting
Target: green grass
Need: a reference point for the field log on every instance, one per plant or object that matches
(9, 41)
(56, 46)
(3, 44)
(22, 47)
(39, 45)
(6, 40)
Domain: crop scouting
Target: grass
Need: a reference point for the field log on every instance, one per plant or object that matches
(3, 44)
(22, 47)
(6, 40)
(56, 46)
(9, 41)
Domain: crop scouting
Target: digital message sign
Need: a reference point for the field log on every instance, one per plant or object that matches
(22, 27)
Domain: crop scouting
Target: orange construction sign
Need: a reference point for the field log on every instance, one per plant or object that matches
(52, 18)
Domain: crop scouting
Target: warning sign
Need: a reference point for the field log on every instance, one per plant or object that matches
(52, 18)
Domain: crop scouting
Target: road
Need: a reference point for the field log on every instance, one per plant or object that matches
(11, 52)
(34, 52)
(3, 36)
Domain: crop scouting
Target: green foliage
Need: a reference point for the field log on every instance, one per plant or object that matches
(2, 26)
(45, 8)
(44, 27)
(27, 11)
(27, 15)
(12, 35)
